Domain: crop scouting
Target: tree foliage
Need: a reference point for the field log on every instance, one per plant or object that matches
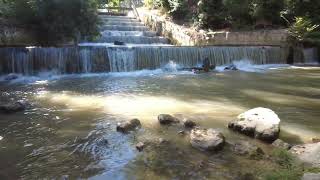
(55, 21)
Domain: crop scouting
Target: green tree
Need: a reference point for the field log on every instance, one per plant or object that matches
(56, 21)
(211, 14)
(268, 10)
(239, 12)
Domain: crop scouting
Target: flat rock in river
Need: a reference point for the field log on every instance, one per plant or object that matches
(308, 153)
(207, 139)
(261, 123)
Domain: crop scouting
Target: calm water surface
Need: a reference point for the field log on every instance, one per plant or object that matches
(70, 130)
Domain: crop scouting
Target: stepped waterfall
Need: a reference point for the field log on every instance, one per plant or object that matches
(143, 49)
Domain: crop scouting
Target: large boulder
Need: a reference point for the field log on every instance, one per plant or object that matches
(207, 139)
(128, 126)
(13, 107)
(308, 153)
(261, 123)
(165, 119)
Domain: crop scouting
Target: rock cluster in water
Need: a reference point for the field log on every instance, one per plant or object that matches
(260, 123)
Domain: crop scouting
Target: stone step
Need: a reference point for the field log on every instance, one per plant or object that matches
(123, 28)
(118, 18)
(122, 23)
(134, 39)
(129, 33)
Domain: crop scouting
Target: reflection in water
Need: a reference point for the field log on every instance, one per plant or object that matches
(71, 129)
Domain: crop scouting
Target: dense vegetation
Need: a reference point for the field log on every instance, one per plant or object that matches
(244, 14)
(54, 21)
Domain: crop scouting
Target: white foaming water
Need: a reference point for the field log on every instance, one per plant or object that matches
(44, 77)
(126, 45)
(247, 66)
(170, 68)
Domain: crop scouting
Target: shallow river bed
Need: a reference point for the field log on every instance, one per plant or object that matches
(70, 129)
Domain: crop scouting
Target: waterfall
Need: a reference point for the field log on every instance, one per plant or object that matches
(310, 55)
(143, 49)
(65, 60)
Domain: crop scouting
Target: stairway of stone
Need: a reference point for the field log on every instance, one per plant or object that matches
(127, 30)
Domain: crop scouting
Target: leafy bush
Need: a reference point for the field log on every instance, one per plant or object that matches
(301, 28)
(309, 9)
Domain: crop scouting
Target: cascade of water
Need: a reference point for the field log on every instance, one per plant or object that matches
(122, 59)
(310, 55)
(143, 49)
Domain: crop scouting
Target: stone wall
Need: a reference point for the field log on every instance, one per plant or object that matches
(184, 36)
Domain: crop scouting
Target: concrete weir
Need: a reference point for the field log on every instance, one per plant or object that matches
(141, 49)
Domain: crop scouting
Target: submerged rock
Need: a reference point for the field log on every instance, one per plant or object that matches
(231, 67)
(140, 146)
(308, 153)
(14, 107)
(207, 139)
(167, 119)
(189, 124)
(281, 144)
(260, 123)
(245, 148)
(128, 126)
(11, 77)
(1, 138)
(311, 176)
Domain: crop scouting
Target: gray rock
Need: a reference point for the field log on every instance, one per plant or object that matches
(311, 176)
(260, 123)
(189, 124)
(11, 77)
(281, 144)
(207, 139)
(128, 126)
(308, 153)
(231, 67)
(140, 146)
(13, 107)
(165, 119)
(245, 148)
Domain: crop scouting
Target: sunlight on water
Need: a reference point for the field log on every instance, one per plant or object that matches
(146, 108)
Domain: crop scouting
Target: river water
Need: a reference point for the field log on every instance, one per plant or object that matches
(70, 129)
